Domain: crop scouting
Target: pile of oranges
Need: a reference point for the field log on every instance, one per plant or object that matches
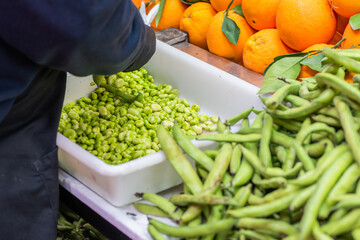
(268, 28)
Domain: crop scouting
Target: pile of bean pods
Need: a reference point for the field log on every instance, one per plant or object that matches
(71, 226)
(292, 172)
(119, 129)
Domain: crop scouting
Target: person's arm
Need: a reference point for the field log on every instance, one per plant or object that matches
(78, 36)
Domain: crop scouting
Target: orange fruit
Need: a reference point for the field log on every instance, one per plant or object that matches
(196, 21)
(307, 71)
(346, 8)
(305, 23)
(219, 44)
(171, 15)
(138, 2)
(352, 37)
(221, 5)
(260, 14)
(261, 48)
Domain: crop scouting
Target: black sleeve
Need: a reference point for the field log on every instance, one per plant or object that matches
(82, 37)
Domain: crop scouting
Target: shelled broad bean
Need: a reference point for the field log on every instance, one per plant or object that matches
(297, 172)
(117, 131)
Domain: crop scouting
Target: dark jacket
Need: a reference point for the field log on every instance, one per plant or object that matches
(82, 37)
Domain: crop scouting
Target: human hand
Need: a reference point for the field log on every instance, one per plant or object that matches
(148, 18)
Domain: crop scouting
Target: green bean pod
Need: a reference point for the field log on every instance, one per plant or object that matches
(323, 187)
(326, 119)
(308, 95)
(275, 182)
(315, 127)
(249, 131)
(217, 213)
(191, 212)
(344, 185)
(235, 160)
(250, 234)
(338, 214)
(221, 164)
(281, 139)
(280, 153)
(154, 233)
(242, 195)
(346, 224)
(100, 81)
(348, 52)
(214, 177)
(348, 203)
(296, 101)
(317, 149)
(303, 156)
(194, 231)
(244, 114)
(321, 101)
(265, 209)
(219, 137)
(150, 209)
(243, 175)
(163, 203)
(267, 224)
(179, 162)
(211, 153)
(189, 148)
(201, 199)
(329, 111)
(275, 99)
(318, 234)
(264, 152)
(302, 198)
(339, 84)
(195, 222)
(356, 234)
(268, 172)
(273, 195)
(288, 124)
(350, 64)
(348, 124)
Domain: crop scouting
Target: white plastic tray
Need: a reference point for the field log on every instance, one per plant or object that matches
(215, 91)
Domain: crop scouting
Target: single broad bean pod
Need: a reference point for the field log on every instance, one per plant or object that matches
(267, 224)
(163, 203)
(347, 121)
(275, 99)
(202, 199)
(346, 224)
(189, 148)
(155, 234)
(179, 162)
(150, 209)
(194, 231)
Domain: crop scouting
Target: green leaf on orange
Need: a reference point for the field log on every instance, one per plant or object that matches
(285, 67)
(297, 54)
(354, 21)
(231, 30)
(238, 10)
(314, 62)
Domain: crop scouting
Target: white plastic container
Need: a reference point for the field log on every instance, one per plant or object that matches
(215, 91)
